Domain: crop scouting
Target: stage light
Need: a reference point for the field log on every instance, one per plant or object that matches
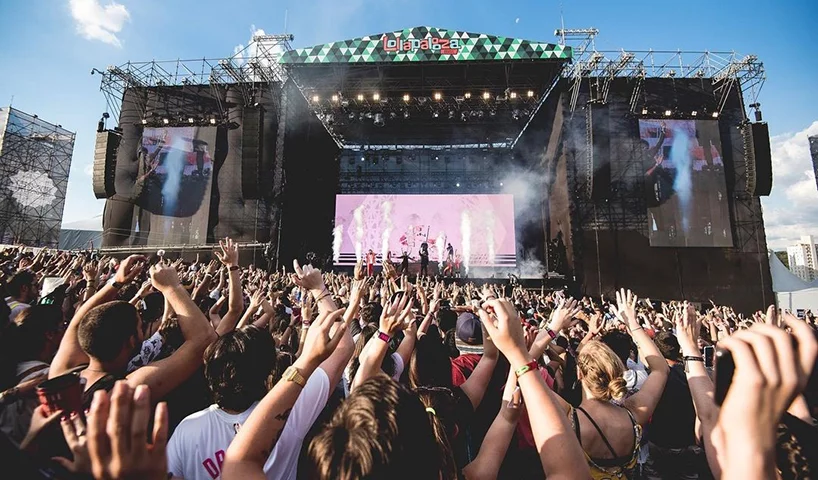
(165, 121)
(363, 159)
(379, 122)
(376, 97)
(715, 114)
(486, 95)
(406, 97)
(329, 118)
(501, 184)
(406, 114)
(513, 95)
(213, 120)
(335, 98)
(352, 115)
(457, 184)
(530, 94)
(463, 116)
(492, 113)
(480, 114)
(316, 99)
(435, 114)
(144, 121)
(694, 113)
(515, 114)
(360, 97)
(438, 96)
(668, 113)
(451, 114)
(191, 120)
(644, 110)
(467, 95)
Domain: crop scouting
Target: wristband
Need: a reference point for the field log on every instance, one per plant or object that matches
(117, 285)
(551, 333)
(532, 365)
(687, 358)
(233, 268)
(383, 336)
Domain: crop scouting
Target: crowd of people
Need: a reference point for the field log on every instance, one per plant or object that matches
(210, 369)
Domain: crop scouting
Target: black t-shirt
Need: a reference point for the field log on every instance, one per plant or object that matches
(674, 421)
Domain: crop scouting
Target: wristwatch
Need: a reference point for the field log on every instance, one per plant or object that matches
(117, 285)
(291, 374)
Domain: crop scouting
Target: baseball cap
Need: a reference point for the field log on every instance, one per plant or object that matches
(468, 329)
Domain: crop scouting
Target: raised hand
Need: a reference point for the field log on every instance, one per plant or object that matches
(318, 345)
(505, 330)
(395, 314)
(688, 327)
(307, 277)
(229, 254)
(117, 429)
(74, 431)
(129, 269)
(90, 272)
(626, 308)
(212, 267)
(565, 312)
(164, 277)
(359, 270)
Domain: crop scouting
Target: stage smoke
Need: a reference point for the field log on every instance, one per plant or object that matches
(386, 209)
(337, 238)
(465, 235)
(440, 245)
(358, 215)
(490, 237)
(683, 184)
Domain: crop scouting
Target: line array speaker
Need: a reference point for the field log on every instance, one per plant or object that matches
(104, 168)
(759, 166)
(251, 151)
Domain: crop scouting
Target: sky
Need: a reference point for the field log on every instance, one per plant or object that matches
(50, 47)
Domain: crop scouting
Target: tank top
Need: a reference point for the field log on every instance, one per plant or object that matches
(612, 468)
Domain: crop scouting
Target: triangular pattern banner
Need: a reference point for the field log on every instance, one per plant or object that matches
(427, 44)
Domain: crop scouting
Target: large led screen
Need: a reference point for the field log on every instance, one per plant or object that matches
(174, 180)
(479, 228)
(685, 183)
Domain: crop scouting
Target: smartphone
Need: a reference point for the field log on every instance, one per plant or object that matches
(725, 368)
(709, 352)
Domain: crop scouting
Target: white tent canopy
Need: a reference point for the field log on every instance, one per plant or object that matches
(791, 292)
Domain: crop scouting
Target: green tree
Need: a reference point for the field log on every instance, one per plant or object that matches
(784, 258)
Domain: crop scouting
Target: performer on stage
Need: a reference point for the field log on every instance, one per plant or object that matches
(449, 253)
(404, 263)
(370, 263)
(424, 259)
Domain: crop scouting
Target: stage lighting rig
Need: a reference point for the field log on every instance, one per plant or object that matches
(467, 95)
(756, 111)
(379, 121)
(645, 110)
(406, 97)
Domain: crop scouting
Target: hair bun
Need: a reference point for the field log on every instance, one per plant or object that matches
(618, 388)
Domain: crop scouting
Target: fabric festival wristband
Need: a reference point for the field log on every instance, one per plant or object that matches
(234, 268)
(386, 338)
(532, 365)
(551, 333)
(693, 359)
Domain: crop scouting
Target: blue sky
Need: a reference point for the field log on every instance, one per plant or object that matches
(50, 47)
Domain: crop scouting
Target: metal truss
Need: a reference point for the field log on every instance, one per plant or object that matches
(35, 160)
(728, 70)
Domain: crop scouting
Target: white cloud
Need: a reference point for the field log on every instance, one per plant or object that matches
(88, 169)
(239, 50)
(97, 22)
(791, 210)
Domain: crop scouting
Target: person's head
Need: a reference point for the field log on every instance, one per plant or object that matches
(668, 344)
(38, 332)
(644, 145)
(367, 332)
(238, 367)
(621, 343)
(447, 318)
(600, 371)
(382, 430)
(23, 286)
(425, 364)
(371, 313)
(110, 333)
(469, 330)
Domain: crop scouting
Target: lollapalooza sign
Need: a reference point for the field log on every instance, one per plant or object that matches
(443, 46)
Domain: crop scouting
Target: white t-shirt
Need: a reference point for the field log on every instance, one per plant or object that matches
(282, 464)
(635, 376)
(399, 366)
(198, 445)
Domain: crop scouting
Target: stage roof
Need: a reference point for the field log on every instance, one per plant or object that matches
(427, 44)
(426, 86)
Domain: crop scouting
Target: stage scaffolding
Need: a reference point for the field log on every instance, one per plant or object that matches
(35, 159)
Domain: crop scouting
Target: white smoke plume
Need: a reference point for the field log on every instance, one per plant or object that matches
(440, 245)
(358, 216)
(490, 237)
(386, 210)
(683, 183)
(337, 237)
(465, 235)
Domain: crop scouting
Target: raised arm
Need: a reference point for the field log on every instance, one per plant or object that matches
(477, 383)
(166, 374)
(70, 354)
(252, 446)
(229, 256)
(560, 452)
(642, 403)
(394, 318)
(495, 444)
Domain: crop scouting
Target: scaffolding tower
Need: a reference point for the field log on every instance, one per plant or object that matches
(35, 160)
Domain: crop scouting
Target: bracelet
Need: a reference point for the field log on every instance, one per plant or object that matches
(551, 333)
(323, 296)
(532, 365)
(636, 329)
(383, 336)
(233, 268)
(686, 359)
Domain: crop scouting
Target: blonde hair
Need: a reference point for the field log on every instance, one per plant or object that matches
(602, 371)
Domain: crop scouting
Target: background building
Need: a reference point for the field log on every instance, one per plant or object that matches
(35, 159)
(802, 257)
